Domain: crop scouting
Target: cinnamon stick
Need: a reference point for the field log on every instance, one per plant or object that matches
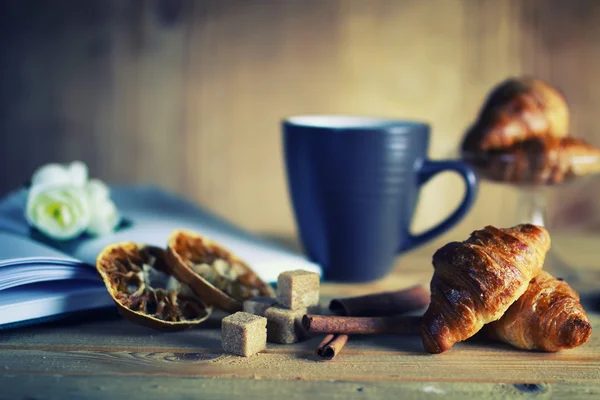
(373, 305)
(331, 346)
(398, 324)
(382, 304)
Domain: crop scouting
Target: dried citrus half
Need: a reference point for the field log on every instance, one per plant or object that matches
(214, 273)
(138, 279)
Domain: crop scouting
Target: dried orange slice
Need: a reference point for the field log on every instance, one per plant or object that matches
(215, 274)
(139, 280)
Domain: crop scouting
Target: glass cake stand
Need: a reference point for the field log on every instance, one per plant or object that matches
(537, 178)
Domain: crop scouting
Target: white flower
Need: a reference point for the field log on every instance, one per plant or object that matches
(62, 203)
(104, 215)
(60, 211)
(75, 174)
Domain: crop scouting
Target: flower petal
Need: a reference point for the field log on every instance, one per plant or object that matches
(104, 218)
(79, 173)
(51, 174)
(97, 190)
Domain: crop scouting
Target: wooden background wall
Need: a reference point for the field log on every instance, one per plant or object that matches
(189, 94)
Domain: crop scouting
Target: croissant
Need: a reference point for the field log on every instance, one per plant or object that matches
(547, 317)
(516, 110)
(476, 281)
(542, 160)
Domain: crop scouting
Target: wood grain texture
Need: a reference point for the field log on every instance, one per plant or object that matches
(157, 387)
(472, 365)
(189, 94)
(120, 348)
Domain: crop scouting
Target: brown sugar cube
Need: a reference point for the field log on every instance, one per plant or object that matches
(243, 334)
(298, 289)
(284, 325)
(258, 305)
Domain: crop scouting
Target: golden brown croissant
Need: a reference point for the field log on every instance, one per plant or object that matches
(545, 160)
(548, 316)
(475, 281)
(516, 110)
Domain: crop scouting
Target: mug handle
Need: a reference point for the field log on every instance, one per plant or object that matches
(428, 170)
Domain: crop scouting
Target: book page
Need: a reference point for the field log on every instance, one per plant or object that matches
(46, 299)
(18, 249)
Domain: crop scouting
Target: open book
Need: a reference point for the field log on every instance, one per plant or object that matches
(40, 281)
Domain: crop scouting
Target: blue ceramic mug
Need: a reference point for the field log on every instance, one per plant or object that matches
(354, 184)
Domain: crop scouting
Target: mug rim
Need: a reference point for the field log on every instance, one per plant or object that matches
(353, 122)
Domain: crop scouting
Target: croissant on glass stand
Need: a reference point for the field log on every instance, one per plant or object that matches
(521, 136)
(548, 317)
(541, 160)
(516, 110)
(476, 281)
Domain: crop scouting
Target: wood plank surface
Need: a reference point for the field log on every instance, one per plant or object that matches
(467, 363)
(366, 358)
(157, 387)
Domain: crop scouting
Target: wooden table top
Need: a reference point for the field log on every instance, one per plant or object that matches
(109, 357)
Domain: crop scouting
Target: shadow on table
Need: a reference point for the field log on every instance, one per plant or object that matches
(367, 344)
(398, 343)
(109, 328)
(65, 320)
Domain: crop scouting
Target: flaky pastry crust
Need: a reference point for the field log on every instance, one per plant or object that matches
(547, 317)
(477, 280)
